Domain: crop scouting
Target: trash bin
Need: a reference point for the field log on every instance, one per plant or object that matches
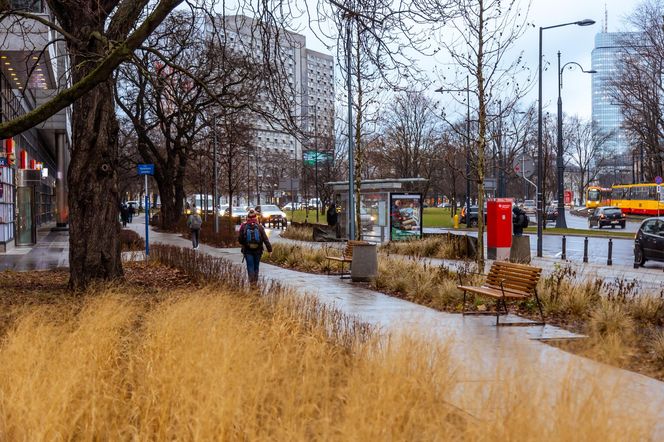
(365, 262)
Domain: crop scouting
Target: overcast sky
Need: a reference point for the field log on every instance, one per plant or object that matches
(574, 42)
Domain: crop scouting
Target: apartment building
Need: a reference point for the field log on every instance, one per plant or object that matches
(33, 164)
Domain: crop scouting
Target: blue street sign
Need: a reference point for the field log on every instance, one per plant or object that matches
(658, 180)
(4, 162)
(145, 169)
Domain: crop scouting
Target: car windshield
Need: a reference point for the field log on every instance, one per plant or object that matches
(612, 211)
(269, 208)
(529, 203)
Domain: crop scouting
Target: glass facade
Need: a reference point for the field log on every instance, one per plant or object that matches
(609, 46)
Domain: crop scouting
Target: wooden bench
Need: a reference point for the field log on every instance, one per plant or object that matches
(505, 281)
(346, 256)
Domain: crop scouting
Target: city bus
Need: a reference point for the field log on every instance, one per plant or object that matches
(638, 199)
(597, 196)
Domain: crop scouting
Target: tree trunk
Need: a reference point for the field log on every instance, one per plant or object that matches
(94, 246)
(171, 204)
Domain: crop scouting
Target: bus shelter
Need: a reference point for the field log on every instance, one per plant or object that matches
(375, 206)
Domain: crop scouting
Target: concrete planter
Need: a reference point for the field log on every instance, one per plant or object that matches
(365, 262)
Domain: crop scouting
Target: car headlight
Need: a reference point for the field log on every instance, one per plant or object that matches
(199, 211)
(373, 218)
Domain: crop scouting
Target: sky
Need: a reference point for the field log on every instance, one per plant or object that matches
(574, 42)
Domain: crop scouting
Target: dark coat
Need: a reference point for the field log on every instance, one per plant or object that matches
(331, 216)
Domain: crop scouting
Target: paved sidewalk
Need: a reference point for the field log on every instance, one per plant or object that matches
(51, 251)
(484, 355)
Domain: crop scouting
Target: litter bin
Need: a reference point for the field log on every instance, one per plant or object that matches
(365, 262)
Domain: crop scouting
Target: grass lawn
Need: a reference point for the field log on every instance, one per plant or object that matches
(299, 216)
(582, 232)
(435, 217)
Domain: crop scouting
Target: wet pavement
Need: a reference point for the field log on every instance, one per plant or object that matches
(484, 355)
(50, 252)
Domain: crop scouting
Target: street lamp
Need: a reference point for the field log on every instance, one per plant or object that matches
(561, 222)
(540, 201)
(467, 90)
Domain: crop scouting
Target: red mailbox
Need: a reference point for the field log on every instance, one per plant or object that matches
(499, 228)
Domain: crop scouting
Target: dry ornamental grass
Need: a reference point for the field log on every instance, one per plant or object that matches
(227, 362)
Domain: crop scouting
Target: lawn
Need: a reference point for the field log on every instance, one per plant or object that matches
(582, 232)
(433, 217)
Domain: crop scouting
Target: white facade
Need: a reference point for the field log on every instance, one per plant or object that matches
(310, 77)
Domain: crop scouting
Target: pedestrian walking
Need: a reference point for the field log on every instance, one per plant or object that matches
(194, 222)
(124, 214)
(331, 215)
(130, 213)
(253, 238)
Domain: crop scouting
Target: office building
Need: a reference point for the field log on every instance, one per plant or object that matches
(33, 164)
(310, 76)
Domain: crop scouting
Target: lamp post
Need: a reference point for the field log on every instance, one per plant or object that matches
(561, 222)
(467, 91)
(540, 201)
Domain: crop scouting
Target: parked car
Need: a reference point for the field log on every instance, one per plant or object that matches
(270, 213)
(551, 214)
(292, 206)
(239, 214)
(607, 216)
(529, 207)
(314, 203)
(472, 219)
(649, 241)
(444, 205)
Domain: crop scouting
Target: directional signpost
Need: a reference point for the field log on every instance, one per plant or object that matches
(146, 169)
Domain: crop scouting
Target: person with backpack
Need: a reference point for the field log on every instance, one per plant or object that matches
(253, 238)
(519, 220)
(194, 222)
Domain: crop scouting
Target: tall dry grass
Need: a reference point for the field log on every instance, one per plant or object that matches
(216, 363)
(300, 233)
(438, 246)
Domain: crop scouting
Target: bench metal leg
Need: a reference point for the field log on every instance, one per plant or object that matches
(463, 309)
(539, 306)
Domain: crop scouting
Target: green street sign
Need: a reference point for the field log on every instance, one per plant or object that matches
(311, 157)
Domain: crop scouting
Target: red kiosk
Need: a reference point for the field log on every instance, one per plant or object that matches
(499, 228)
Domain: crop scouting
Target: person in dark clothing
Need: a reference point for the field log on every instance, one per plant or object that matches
(253, 238)
(194, 222)
(519, 220)
(130, 213)
(124, 214)
(331, 215)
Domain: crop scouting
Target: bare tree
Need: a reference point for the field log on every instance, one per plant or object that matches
(486, 31)
(587, 151)
(638, 88)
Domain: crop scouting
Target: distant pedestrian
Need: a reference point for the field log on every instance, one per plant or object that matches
(253, 238)
(194, 222)
(331, 215)
(124, 214)
(130, 213)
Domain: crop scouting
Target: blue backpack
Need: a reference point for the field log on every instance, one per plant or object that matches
(253, 236)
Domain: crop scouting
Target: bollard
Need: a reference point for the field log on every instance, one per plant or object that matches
(609, 261)
(456, 221)
(564, 255)
(585, 249)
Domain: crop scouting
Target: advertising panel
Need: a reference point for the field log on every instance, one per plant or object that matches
(405, 216)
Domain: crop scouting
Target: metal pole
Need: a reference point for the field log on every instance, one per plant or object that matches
(609, 261)
(564, 254)
(501, 159)
(147, 219)
(539, 151)
(585, 249)
(216, 175)
(467, 143)
(351, 147)
(561, 222)
(316, 162)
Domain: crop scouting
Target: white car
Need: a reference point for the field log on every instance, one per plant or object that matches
(529, 207)
(271, 213)
(292, 206)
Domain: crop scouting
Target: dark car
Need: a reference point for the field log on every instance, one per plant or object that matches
(471, 220)
(551, 214)
(649, 241)
(607, 216)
